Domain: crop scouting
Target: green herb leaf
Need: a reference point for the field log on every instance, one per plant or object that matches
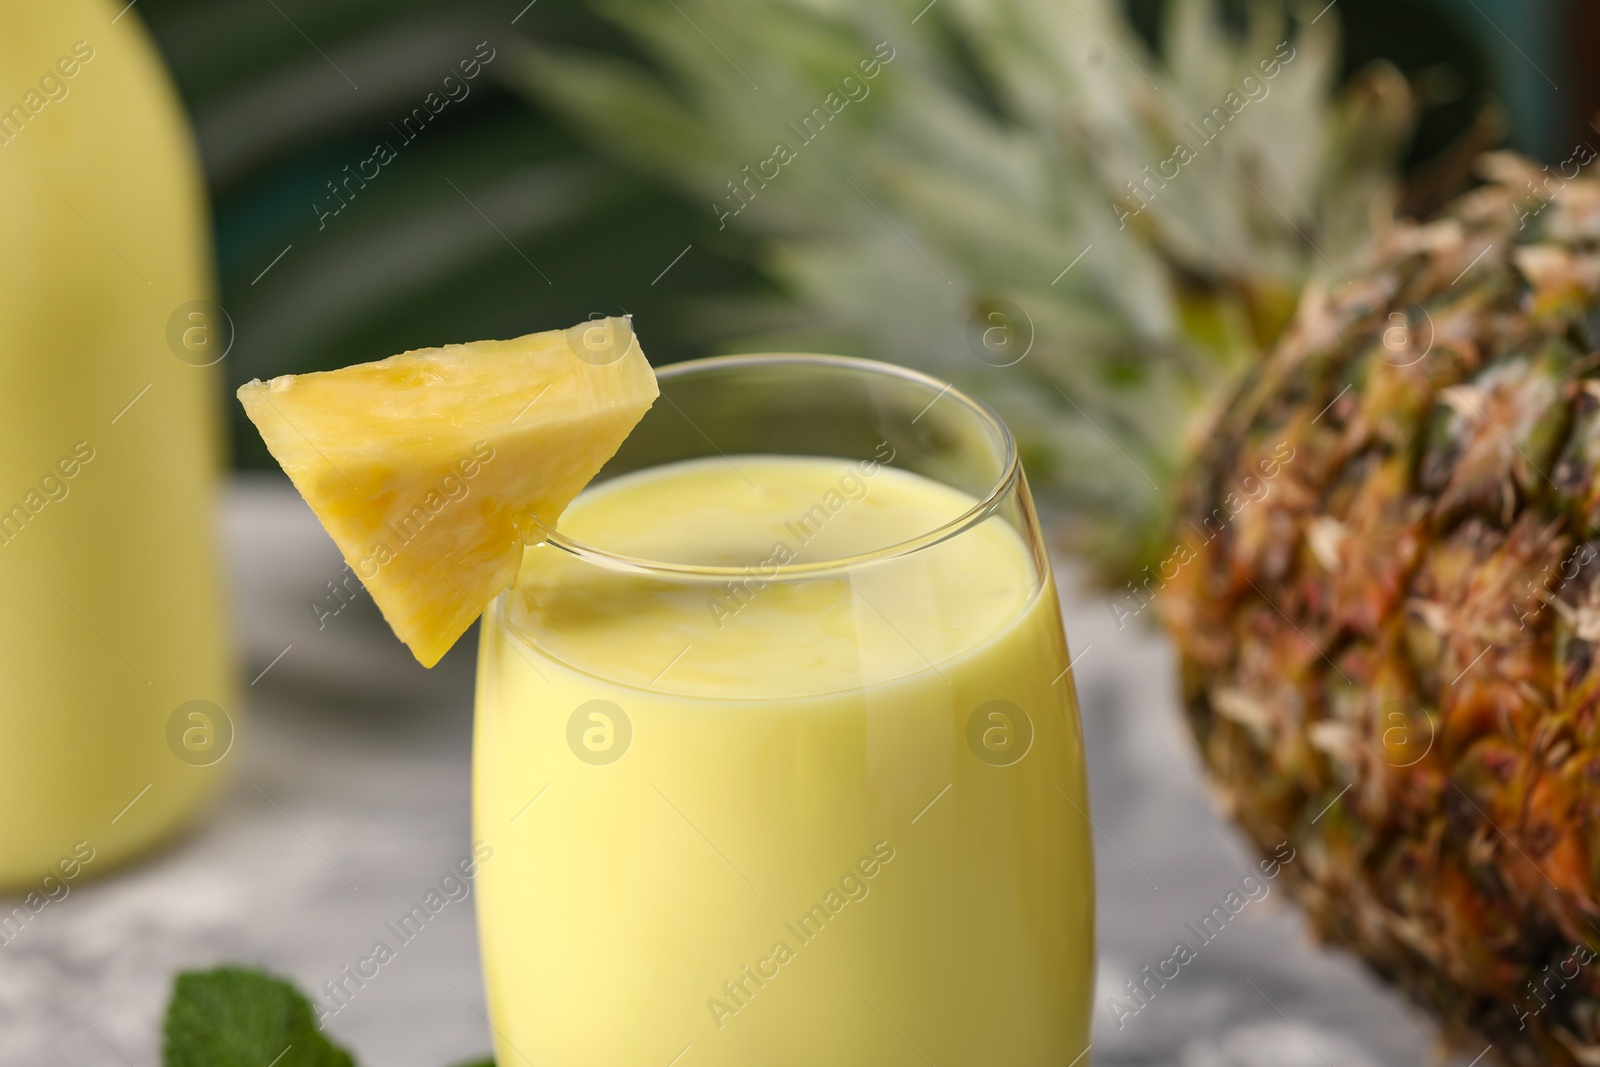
(235, 1017)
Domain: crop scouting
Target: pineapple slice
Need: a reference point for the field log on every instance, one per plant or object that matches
(426, 467)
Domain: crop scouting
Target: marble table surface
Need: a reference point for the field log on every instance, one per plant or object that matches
(350, 799)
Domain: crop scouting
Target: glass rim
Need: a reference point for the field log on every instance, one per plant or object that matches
(1010, 470)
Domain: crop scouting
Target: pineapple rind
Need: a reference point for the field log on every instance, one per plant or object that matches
(1390, 654)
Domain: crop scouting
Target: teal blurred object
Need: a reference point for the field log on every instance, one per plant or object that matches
(1530, 68)
(1461, 55)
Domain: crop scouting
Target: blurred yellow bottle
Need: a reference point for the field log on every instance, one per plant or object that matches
(112, 619)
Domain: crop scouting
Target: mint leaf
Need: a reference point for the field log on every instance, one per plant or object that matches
(235, 1017)
(478, 1063)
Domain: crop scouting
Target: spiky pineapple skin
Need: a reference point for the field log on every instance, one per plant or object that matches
(1386, 595)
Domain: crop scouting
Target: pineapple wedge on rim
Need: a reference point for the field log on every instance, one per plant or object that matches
(426, 468)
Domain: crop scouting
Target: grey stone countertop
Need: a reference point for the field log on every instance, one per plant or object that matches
(350, 798)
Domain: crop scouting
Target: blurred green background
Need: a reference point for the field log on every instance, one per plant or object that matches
(498, 219)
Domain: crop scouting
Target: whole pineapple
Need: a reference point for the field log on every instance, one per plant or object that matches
(1386, 592)
(1382, 572)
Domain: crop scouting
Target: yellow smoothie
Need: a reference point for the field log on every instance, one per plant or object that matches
(778, 816)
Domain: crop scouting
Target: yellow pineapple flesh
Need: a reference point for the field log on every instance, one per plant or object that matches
(430, 468)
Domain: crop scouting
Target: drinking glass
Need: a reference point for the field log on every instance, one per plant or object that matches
(821, 803)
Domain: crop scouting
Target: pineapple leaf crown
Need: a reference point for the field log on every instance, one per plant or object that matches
(1018, 196)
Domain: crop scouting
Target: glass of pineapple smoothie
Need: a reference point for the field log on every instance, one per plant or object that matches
(777, 749)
